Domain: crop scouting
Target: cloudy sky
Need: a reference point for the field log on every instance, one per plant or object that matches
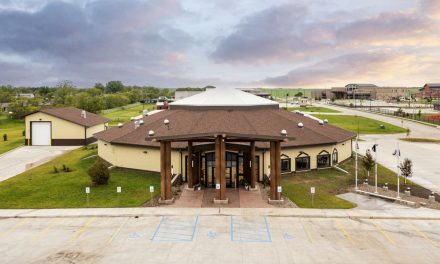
(246, 43)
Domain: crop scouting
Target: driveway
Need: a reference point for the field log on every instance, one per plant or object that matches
(21, 159)
(424, 155)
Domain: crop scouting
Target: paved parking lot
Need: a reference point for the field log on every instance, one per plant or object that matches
(218, 239)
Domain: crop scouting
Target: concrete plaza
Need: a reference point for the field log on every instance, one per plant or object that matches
(216, 235)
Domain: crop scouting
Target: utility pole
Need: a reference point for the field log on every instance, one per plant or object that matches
(287, 94)
(375, 167)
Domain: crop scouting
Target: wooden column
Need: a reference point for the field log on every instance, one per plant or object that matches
(189, 166)
(278, 167)
(165, 170)
(220, 156)
(253, 166)
(273, 180)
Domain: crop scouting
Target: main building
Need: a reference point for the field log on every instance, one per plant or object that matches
(224, 138)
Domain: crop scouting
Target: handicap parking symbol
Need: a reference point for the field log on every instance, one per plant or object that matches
(134, 236)
(287, 236)
(211, 235)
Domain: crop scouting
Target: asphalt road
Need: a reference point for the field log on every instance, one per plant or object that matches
(218, 238)
(423, 155)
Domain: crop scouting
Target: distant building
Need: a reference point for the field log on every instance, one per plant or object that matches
(4, 107)
(256, 91)
(181, 93)
(366, 91)
(26, 95)
(430, 90)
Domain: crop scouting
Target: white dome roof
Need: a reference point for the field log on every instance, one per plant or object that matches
(224, 97)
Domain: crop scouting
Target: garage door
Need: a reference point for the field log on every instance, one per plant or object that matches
(41, 133)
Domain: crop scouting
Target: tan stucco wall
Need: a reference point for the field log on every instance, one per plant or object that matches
(343, 148)
(136, 158)
(95, 129)
(141, 158)
(61, 129)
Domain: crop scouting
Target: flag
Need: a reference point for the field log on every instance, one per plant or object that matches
(396, 152)
(374, 147)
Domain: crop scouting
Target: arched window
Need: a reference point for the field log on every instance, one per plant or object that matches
(302, 162)
(285, 163)
(335, 157)
(323, 159)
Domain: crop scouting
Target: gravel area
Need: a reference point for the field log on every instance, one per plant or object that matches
(420, 202)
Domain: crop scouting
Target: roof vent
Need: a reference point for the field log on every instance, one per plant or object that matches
(120, 125)
(150, 133)
(283, 132)
(326, 121)
(132, 118)
(321, 122)
(300, 125)
(141, 122)
(136, 124)
(83, 114)
(167, 123)
(144, 112)
(297, 111)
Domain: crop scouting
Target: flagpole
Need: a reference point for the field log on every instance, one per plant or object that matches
(375, 168)
(356, 164)
(398, 163)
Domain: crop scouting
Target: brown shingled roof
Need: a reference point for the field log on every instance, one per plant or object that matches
(73, 115)
(243, 123)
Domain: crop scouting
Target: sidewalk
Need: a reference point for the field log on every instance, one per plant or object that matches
(407, 213)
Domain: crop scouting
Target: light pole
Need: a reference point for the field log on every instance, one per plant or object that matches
(356, 164)
(375, 166)
(398, 172)
(287, 94)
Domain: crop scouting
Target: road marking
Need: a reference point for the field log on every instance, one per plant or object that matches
(306, 230)
(343, 231)
(51, 224)
(116, 233)
(384, 234)
(82, 229)
(420, 232)
(11, 229)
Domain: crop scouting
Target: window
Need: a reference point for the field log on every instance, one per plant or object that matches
(323, 159)
(285, 165)
(335, 157)
(302, 163)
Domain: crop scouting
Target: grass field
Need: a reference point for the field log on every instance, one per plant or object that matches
(421, 140)
(366, 125)
(331, 182)
(41, 187)
(14, 129)
(316, 109)
(125, 113)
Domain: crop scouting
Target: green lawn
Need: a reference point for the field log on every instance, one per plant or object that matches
(125, 113)
(42, 188)
(330, 182)
(14, 129)
(316, 109)
(366, 125)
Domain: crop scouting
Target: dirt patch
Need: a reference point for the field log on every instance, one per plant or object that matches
(71, 257)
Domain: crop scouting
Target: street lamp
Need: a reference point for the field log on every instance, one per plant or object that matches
(287, 94)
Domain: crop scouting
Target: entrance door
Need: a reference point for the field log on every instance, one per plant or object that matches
(41, 133)
(231, 169)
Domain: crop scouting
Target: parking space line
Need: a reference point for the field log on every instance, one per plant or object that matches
(384, 234)
(175, 230)
(420, 232)
(11, 229)
(306, 230)
(245, 230)
(116, 233)
(51, 224)
(343, 231)
(82, 229)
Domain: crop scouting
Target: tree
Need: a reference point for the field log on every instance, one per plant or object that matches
(406, 168)
(99, 173)
(299, 94)
(63, 93)
(368, 162)
(89, 103)
(114, 87)
(99, 86)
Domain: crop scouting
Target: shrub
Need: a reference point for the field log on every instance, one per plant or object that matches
(99, 173)
(5, 137)
(64, 167)
(55, 169)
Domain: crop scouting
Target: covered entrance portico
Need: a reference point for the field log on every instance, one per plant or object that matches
(221, 168)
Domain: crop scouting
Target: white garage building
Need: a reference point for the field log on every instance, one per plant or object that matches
(66, 126)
